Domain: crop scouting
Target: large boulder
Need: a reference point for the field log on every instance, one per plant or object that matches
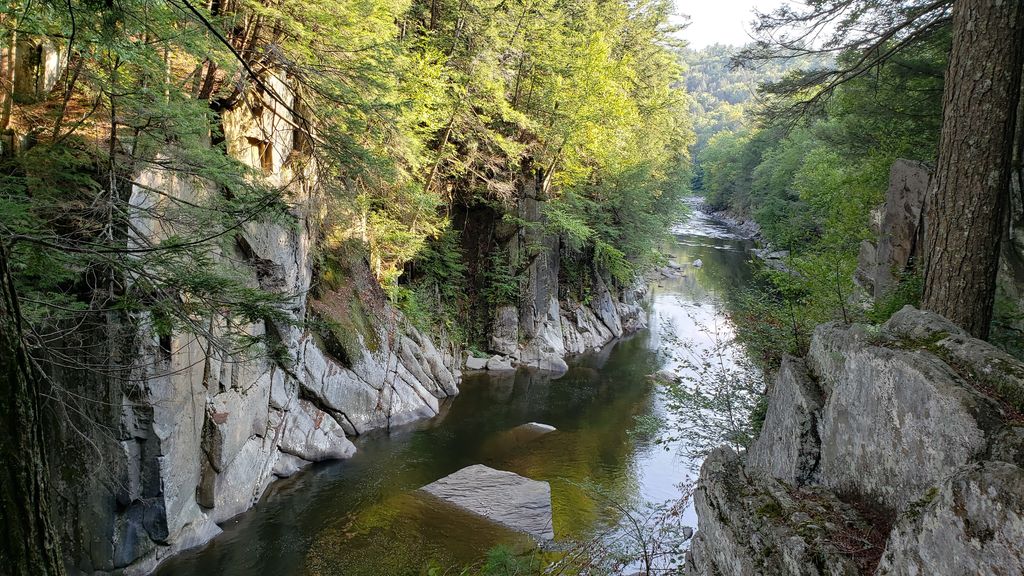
(476, 363)
(499, 363)
(984, 366)
(896, 421)
(504, 497)
(972, 524)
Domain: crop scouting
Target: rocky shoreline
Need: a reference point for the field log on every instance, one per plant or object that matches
(569, 328)
(887, 451)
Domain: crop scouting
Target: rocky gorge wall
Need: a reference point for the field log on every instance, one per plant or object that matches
(196, 433)
(152, 461)
(897, 252)
(548, 322)
(889, 450)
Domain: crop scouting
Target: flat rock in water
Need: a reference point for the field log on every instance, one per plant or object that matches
(503, 497)
(474, 363)
(536, 427)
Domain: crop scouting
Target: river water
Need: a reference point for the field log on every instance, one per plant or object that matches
(363, 516)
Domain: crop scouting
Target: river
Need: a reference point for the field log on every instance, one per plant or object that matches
(362, 516)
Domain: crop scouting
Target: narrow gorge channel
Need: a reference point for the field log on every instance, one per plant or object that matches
(364, 515)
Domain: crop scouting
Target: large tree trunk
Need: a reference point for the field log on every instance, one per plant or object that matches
(28, 545)
(967, 209)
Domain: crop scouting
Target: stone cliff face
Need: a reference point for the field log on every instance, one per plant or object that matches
(566, 327)
(548, 324)
(899, 229)
(154, 461)
(197, 433)
(889, 451)
(898, 250)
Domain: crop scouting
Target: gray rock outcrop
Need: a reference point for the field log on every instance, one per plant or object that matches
(38, 64)
(567, 328)
(900, 230)
(972, 524)
(788, 447)
(499, 363)
(914, 420)
(475, 363)
(753, 524)
(504, 497)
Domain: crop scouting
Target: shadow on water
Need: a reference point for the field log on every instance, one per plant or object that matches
(364, 516)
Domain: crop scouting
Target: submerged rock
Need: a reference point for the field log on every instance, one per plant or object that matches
(504, 497)
(499, 363)
(510, 441)
(530, 431)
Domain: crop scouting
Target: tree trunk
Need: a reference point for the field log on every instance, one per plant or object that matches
(28, 545)
(967, 207)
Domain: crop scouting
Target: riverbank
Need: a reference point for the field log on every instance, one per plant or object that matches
(745, 225)
(363, 516)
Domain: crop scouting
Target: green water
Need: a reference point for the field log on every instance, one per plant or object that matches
(364, 516)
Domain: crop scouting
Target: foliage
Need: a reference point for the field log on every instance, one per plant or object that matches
(89, 231)
(399, 110)
(435, 282)
(811, 184)
(867, 36)
(723, 93)
(501, 283)
(477, 100)
(579, 97)
(712, 392)
(908, 291)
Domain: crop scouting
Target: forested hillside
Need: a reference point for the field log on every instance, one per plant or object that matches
(724, 93)
(809, 161)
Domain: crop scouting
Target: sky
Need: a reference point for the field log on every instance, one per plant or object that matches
(721, 21)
